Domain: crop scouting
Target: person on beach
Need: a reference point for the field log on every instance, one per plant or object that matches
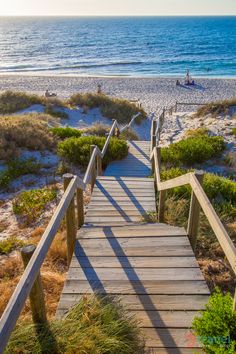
(99, 91)
(177, 82)
(188, 79)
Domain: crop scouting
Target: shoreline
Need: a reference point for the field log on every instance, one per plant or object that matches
(92, 76)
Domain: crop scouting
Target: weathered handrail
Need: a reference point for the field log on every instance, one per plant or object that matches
(198, 199)
(66, 207)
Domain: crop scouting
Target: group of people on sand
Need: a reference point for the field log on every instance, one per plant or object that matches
(188, 80)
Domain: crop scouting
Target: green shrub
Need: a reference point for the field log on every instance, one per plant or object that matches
(77, 150)
(11, 102)
(17, 168)
(10, 244)
(216, 108)
(30, 204)
(66, 132)
(113, 108)
(234, 131)
(216, 327)
(193, 150)
(95, 326)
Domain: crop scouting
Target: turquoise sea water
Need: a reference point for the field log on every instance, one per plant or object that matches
(143, 46)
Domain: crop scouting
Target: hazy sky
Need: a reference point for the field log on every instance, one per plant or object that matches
(117, 7)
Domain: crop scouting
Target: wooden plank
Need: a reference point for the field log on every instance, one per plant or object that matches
(163, 319)
(149, 302)
(114, 212)
(141, 262)
(126, 287)
(131, 242)
(175, 350)
(103, 274)
(133, 179)
(107, 219)
(169, 338)
(112, 232)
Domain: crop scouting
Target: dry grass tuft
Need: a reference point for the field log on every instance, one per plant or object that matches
(25, 131)
(216, 108)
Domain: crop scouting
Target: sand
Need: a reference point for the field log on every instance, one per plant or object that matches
(154, 93)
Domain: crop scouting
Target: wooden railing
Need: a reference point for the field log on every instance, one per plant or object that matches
(33, 257)
(199, 199)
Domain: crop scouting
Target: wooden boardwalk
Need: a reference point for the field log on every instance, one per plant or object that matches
(151, 267)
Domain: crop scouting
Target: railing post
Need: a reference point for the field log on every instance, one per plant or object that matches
(162, 194)
(234, 301)
(194, 213)
(36, 296)
(80, 207)
(93, 172)
(153, 140)
(70, 221)
(176, 106)
(99, 165)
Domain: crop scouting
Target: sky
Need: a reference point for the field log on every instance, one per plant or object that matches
(117, 7)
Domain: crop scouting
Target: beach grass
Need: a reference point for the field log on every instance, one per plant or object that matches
(216, 108)
(95, 325)
(25, 131)
(113, 108)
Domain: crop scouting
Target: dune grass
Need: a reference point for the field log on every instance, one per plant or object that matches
(16, 168)
(30, 204)
(129, 134)
(24, 131)
(97, 129)
(9, 244)
(13, 101)
(113, 108)
(96, 325)
(216, 108)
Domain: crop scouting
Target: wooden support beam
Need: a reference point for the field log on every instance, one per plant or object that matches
(161, 207)
(93, 170)
(36, 296)
(70, 221)
(194, 213)
(80, 207)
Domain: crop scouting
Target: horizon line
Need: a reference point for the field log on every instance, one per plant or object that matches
(109, 15)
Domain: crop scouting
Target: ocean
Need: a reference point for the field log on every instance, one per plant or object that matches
(119, 46)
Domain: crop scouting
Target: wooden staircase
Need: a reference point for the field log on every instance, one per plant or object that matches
(151, 267)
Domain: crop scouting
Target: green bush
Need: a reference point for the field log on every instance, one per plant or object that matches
(193, 150)
(30, 204)
(10, 244)
(216, 327)
(66, 132)
(216, 108)
(17, 168)
(77, 150)
(234, 131)
(94, 326)
(113, 108)
(11, 102)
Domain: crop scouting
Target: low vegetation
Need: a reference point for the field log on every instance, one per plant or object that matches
(55, 111)
(193, 149)
(10, 244)
(129, 134)
(97, 129)
(77, 150)
(113, 108)
(16, 168)
(96, 325)
(216, 108)
(216, 326)
(24, 131)
(65, 132)
(11, 101)
(234, 131)
(30, 204)
(14, 101)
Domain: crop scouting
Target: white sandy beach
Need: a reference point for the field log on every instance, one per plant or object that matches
(154, 93)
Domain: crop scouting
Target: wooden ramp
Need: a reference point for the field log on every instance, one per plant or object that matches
(150, 266)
